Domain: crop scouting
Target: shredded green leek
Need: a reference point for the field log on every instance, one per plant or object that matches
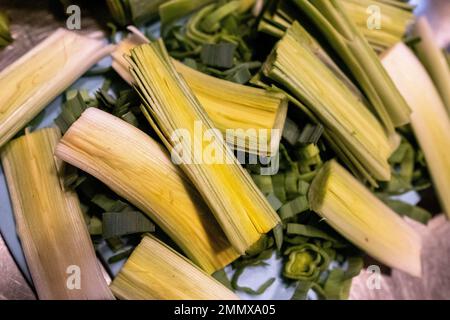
(123, 223)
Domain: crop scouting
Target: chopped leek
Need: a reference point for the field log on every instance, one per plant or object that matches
(156, 272)
(294, 65)
(342, 34)
(39, 76)
(429, 120)
(240, 208)
(433, 59)
(5, 34)
(351, 209)
(137, 168)
(49, 221)
(244, 109)
(137, 12)
(123, 223)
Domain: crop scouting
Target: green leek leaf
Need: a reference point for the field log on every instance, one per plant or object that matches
(308, 231)
(218, 55)
(291, 209)
(123, 223)
(405, 209)
(221, 276)
(262, 288)
(302, 289)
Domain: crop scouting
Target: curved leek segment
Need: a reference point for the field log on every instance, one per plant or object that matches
(139, 169)
(50, 223)
(357, 214)
(39, 76)
(229, 105)
(156, 272)
(294, 65)
(181, 122)
(433, 59)
(429, 120)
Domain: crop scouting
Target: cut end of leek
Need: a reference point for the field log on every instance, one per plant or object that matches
(429, 120)
(50, 222)
(156, 272)
(355, 130)
(243, 109)
(351, 209)
(43, 73)
(140, 170)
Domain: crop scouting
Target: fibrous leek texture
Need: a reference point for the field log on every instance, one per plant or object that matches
(393, 21)
(429, 120)
(39, 76)
(433, 59)
(356, 213)
(140, 170)
(49, 220)
(156, 272)
(361, 60)
(229, 105)
(182, 123)
(295, 66)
